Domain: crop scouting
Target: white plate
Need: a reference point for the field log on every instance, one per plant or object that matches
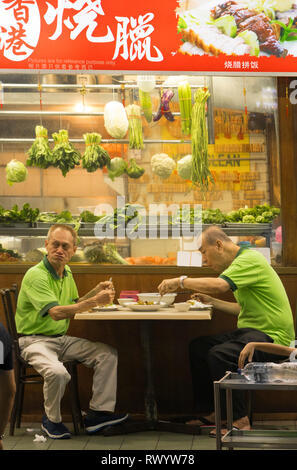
(105, 309)
(142, 308)
(200, 306)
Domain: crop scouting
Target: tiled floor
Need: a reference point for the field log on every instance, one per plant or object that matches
(149, 440)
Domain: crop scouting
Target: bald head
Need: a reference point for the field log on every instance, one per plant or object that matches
(217, 249)
(212, 234)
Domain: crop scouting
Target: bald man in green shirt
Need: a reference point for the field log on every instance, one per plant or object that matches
(263, 315)
(48, 299)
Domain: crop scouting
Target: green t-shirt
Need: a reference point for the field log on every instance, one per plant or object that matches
(261, 296)
(41, 290)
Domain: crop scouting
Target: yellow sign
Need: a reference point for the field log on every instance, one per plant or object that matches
(229, 155)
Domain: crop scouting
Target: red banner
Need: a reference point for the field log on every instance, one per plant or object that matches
(158, 36)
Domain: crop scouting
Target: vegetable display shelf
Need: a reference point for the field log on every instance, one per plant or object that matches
(145, 230)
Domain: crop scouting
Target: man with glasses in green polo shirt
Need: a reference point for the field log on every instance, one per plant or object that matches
(263, 315)
(48, 299)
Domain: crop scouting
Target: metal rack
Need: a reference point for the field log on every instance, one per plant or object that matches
(267, 439)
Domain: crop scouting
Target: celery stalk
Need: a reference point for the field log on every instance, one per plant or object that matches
(185, 103)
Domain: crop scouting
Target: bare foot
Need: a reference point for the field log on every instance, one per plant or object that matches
(242, 423)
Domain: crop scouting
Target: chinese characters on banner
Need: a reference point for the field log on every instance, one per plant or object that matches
(22, 23)
(131, 35)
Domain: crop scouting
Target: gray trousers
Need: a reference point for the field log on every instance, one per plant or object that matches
(47, 354)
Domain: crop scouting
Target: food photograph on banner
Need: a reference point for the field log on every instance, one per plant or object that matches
(238, 36)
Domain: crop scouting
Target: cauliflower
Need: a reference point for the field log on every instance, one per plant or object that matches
(162, 165)
(184, 167)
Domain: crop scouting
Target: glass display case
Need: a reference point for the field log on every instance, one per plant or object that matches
(243, 195)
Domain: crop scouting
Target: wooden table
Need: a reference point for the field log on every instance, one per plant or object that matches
(169, 313)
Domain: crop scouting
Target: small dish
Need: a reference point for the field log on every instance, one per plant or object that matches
(182, 306)
(123, 301)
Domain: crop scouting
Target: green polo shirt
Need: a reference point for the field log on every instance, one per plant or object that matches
(41, 290)
(261, 296)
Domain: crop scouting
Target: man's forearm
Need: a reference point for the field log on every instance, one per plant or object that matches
(61, 312)
(232, 308)
(90, 294)
(207, 285)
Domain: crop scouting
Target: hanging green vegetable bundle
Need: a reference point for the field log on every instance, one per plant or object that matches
(134, 171)
(40, 154)
(145, 101)
(201, 174)
(185, 104)
(135, 126)
(64, 154)
(95, 156)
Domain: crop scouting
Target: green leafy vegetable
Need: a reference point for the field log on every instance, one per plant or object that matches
(40, 154)
(112, 256)
(123, 216)
(16, 172)
(135, 126)
(251, 215)
(145, 101)
(26, 214)
(65, 156)
(259, 214)
(94, 156)
(103, 253)
(64, 217)
(89, 218)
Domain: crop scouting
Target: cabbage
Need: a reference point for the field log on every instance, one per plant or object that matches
(16, 172)
(116, 167)
(115, 119)
(184, 167)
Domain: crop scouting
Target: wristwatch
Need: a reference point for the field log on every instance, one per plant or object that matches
(181, 281)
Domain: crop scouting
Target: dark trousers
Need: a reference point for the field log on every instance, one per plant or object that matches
(212, 356)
